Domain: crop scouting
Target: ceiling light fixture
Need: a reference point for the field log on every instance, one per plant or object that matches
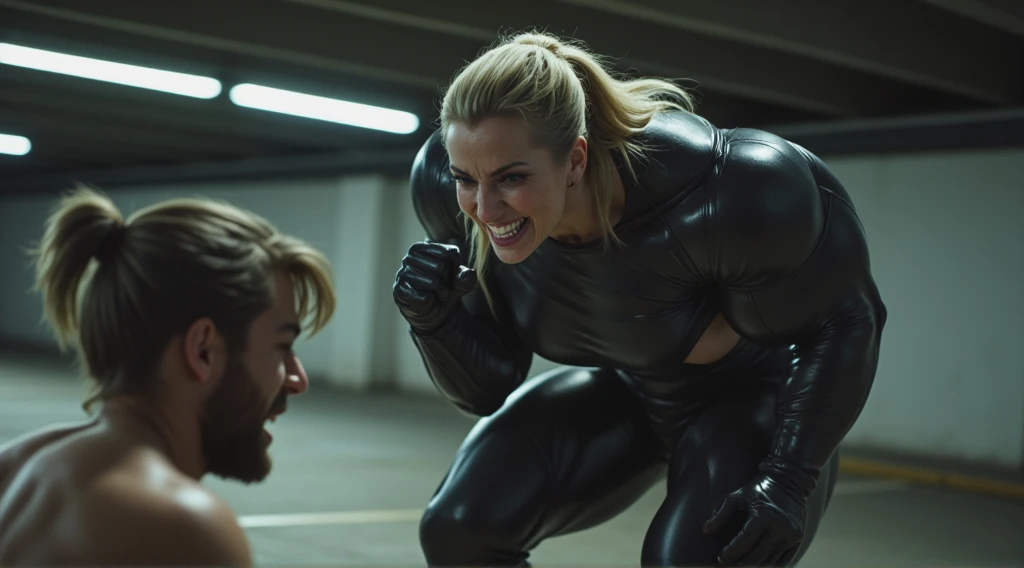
(120, 73)
(323, 108)
(14, 145)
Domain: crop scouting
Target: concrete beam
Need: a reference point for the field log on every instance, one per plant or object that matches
(979, 130)
(360, 38)
(714, 64)
(379, 162)
(1005, 15)
(906, 42)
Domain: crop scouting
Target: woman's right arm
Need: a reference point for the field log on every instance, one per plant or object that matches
(473, 357)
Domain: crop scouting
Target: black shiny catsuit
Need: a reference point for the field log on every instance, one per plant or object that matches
(735, 222)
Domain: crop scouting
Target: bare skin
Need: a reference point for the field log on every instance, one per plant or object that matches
(125, 486)
(502, 178)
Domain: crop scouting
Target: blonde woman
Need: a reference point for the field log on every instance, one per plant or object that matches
(708, 291)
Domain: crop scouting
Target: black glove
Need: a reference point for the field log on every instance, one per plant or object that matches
(774, 528)
(430, 284)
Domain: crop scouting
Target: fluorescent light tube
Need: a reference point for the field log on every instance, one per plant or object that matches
(120, 73)
(14, 145)
(322, 108)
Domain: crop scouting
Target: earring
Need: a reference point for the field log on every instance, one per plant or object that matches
(572, 183)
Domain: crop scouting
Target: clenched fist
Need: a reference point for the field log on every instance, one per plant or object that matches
(430, 285)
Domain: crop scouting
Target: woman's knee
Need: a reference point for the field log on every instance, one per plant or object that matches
(457, 533)
(445, 537)
(488, 501)
(676, 534)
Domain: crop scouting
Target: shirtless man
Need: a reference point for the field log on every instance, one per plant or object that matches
(185, 329)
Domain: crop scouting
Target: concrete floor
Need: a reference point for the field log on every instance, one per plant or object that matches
(352, 473)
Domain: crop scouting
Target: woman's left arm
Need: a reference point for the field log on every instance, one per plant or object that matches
(790, 256)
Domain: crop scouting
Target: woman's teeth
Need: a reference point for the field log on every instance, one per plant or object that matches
(506, 231)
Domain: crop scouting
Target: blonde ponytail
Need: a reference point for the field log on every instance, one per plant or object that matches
(617, 111)
(562, 90)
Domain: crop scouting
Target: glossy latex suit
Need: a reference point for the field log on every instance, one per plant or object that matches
(733, 222)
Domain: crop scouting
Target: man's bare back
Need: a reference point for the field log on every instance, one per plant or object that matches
(87, 494)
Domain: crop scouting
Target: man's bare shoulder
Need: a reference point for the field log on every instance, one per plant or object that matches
(161, 517)
(15, 452)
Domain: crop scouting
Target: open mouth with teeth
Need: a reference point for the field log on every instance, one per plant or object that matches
(510, 233)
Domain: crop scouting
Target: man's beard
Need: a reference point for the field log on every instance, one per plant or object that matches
(232, 427)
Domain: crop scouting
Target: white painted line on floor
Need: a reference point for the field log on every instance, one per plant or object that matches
(871, 486)
(413, 515)
(335, 518)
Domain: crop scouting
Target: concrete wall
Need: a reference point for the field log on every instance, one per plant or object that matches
(342, 217)
(947, 246)
(948, 253)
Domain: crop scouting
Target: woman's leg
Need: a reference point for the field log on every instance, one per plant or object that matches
(569, 450)
(717, 454)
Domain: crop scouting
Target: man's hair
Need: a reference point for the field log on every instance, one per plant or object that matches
(122, 289)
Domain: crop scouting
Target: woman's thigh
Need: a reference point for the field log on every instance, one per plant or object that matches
(569, 450)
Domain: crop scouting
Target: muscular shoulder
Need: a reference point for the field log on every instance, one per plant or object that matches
(759, 213)
(161, 518)
(433, 191)
(679, 150)
(14, 453)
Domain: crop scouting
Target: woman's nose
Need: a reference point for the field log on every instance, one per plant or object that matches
(488, 205)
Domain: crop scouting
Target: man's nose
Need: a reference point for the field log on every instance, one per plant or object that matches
(296, 381)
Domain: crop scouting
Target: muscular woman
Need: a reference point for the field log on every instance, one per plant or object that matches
(708, 292)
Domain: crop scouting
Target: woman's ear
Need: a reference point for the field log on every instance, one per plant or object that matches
(577, 160)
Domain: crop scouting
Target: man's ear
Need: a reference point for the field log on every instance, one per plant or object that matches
(203, 350)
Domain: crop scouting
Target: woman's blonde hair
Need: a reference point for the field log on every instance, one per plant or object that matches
(562, 91)
(122, 289)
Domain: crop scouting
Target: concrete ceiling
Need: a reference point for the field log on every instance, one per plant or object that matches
(788, 62)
